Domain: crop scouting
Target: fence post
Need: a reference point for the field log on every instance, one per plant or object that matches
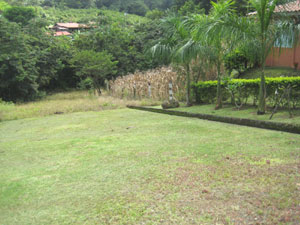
(170, 90)
(149, 89)
(107, 86)
(134, 91)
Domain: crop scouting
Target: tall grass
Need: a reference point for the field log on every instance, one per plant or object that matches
(76, 101)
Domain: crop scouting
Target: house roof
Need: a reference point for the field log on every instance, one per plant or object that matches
(62, 33)
(71, 25)
(288, 7)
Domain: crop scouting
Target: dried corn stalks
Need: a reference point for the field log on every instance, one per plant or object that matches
(150, 84)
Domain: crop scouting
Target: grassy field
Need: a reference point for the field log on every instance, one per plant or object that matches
(249, 112)
(131, 167)
(76, 101)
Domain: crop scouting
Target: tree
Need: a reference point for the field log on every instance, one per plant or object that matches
(175, 47)
(137, 7)
(190, 7)
(18, 73)
(3, 6)
(265, 10)
(212, 31)
(127, 44)
(155, 14)
(97, 66)
(19, 14)
(264, 30)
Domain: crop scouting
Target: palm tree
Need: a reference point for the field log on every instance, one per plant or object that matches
(222, 30)
(212, 31)
(262, 29)
(265, 36)
(173, 49)
(268, 30)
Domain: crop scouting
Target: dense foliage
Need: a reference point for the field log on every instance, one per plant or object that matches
(33, 62)
(198, 38)
(94, 66)
(243, 90)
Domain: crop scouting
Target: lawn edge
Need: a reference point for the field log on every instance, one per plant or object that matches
(285, 127)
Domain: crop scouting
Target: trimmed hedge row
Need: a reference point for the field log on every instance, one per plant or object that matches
(205, 92)
(291, 128)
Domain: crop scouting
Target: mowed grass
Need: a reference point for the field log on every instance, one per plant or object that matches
(132, 167)
(68, 102)
(270, 72)
(249, 112)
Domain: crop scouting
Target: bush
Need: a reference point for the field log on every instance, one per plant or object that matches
(235, 61)
(19, 14)
(205, 92)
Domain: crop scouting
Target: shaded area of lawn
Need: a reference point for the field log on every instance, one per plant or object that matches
(133, 167)
(249, 112)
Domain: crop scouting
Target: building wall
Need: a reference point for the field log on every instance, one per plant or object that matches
(286, 57)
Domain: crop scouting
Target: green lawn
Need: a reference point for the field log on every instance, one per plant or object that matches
(270, 72)
(132, 167)
(248, 112)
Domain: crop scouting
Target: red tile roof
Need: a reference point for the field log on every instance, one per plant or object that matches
(288, 7)
(62, 33)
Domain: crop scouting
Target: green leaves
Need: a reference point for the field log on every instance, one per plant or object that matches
(206, 91)
(18, 73)
(19, 14)
(97, 66)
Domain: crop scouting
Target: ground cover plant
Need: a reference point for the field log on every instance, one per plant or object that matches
(116, 167)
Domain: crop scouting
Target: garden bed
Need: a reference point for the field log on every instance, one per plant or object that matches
(248, 118)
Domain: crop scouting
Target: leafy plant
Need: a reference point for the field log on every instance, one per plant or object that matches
(235, 60)
(98, 66)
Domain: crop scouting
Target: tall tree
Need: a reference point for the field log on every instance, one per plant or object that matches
(176, 47)
(264, 14)
(18, 73)
(19, 14)
(265, 30)
(211, 30)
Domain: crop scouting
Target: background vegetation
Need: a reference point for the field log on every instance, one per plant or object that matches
(201, 40)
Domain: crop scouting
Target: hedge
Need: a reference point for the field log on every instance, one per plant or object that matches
(205, 92)
(286, 127)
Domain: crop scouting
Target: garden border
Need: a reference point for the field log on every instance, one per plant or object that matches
(291, 128)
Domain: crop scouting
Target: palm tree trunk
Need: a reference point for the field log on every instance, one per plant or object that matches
(262, 94)
(219, 91)
(188, 85)
(262, 87)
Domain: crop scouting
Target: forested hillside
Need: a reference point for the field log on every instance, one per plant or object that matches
(139, 7)
(33, 62)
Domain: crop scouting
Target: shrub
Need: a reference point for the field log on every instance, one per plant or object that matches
(235, 61)
(205, 92)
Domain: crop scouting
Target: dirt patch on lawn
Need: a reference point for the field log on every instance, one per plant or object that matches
(232, 192)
